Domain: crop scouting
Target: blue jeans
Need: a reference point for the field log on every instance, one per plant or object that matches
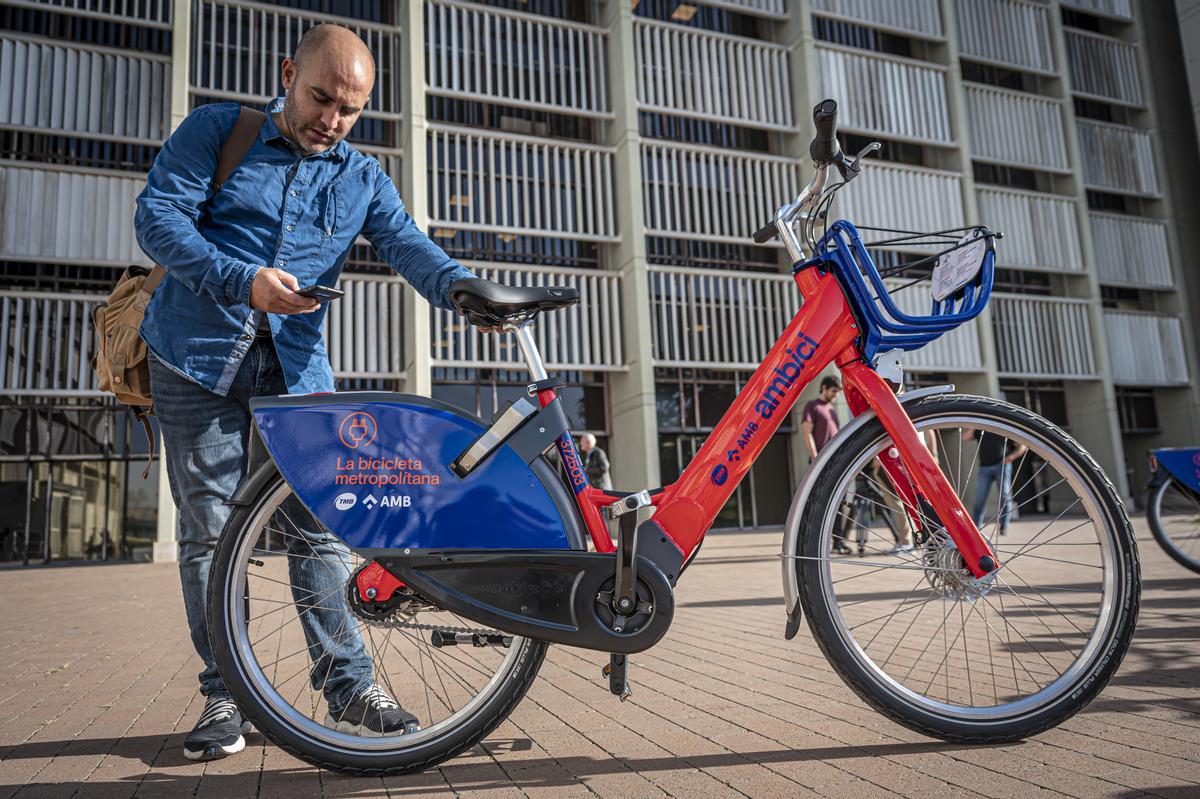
(988, 475)
(206, 438)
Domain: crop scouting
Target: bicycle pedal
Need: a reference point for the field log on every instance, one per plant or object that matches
(618, 681)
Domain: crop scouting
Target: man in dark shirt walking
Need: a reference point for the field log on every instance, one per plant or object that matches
(996, 456)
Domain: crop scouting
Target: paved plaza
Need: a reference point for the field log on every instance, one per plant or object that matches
(98, 689)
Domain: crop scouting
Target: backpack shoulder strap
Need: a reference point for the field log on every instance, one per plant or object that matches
(241, 139)
(245, 131)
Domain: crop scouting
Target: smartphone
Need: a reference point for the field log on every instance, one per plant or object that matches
(321, 293)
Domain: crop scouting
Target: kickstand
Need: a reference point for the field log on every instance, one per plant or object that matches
(618, 680)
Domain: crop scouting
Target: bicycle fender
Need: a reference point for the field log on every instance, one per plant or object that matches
(374, 468)
(791, 534)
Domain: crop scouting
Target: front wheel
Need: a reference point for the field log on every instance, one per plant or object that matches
(292, 652)
(983, 660)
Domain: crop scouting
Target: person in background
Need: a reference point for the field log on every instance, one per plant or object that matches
(820, 424)
(996, 456)
(595, 463)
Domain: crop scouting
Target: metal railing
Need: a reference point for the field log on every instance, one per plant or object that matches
(238, 45)
(364, 331)
(145, 13)
(711, 76)
(584, 336)
(513, 185)
(1042, 337)
(1104, 68)
(1117, 158)
(508, 57)
(902, 198)
(920, 17)
(1119, 9)
(710, 194)
(1010, 33)
(1146, 349)
(98, 92)
(723, 320)
(46, 344)
(1131, 251)
(68, 215)
(906, 98)
(1016, 128)
(1041, 231)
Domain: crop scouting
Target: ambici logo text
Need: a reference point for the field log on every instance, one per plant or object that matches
(345, 501)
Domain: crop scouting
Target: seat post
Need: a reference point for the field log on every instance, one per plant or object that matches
(529, 348)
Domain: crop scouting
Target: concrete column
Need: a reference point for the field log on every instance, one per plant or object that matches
(167, 521)
(416, 313)
(181, 59)
(1091, 404)
(634, 447)
(987, 382)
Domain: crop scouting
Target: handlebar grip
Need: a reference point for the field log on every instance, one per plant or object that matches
(824, 146)
(766, 233)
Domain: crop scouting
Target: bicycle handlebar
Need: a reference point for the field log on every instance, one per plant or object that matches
(824, 150)
(824, 147)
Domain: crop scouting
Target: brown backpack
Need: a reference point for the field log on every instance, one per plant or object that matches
(120, 359)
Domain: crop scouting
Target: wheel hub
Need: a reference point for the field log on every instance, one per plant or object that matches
(947, 574)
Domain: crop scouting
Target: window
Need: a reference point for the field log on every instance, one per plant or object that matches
(1045, 398)
(1009, 176)
(730, 257)
(862, 37)
(485, 391)
(1137, 411)
(690, 402)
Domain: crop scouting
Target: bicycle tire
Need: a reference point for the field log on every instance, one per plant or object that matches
(891, 703)
(1154, 519)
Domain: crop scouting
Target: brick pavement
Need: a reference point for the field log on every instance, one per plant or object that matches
(98, 688)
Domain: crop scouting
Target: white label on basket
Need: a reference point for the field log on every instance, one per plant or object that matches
(959, 267)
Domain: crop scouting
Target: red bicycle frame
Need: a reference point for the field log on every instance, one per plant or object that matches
(822, 332)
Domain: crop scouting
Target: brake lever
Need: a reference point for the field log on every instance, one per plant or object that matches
(856, 164)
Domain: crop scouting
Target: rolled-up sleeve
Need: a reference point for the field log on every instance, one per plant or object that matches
(169, 208)
(405, 247)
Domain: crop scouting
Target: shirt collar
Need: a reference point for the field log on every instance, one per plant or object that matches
(270, 132)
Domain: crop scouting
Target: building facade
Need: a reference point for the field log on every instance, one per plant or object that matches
(627, 149)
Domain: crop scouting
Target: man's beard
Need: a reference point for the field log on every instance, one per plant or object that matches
(292, 117)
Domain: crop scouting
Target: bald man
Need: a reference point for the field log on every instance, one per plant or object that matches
(228, 323)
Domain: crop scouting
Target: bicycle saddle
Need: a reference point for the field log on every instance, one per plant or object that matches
(486, 303)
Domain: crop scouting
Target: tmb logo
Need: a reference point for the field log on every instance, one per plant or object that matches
(345, 501)
(358, 429)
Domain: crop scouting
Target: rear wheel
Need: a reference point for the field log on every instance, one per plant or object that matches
(1174, 516)
(277, 575)
(915, 635)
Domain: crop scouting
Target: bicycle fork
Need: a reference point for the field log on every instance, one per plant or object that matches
(916, 468)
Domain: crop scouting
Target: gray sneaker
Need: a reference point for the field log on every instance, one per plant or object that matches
(373, 714)
(219, 731)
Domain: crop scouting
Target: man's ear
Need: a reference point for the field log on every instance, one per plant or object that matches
(289, 73)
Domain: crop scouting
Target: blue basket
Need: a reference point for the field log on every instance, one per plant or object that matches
(885, 326)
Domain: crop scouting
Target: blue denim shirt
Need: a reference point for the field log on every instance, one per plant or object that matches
(301, 214)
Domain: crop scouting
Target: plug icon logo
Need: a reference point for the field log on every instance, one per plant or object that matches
(358, 429)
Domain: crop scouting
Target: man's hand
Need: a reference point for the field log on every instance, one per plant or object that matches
(274, 291)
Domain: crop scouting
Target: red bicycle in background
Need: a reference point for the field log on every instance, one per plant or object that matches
(466, 554)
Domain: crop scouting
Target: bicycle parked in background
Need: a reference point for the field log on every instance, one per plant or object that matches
(1173, 503)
